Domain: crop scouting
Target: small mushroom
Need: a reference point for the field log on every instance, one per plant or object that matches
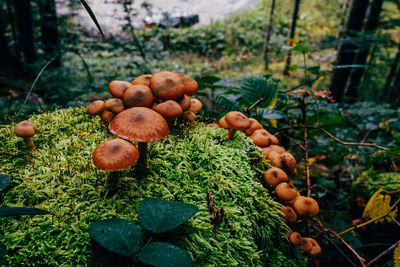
(222, 123)
(167, 85)
(115, 155)
(115, 105)
(306, 207)
(195, 105)
(263, 138)
(236, 121)
(215, 125)
(142, 79)
(106, 117)
(96, 107)
(118, 88)
(316, 248)
(274, 176)
(26, 130)
(288, 163)
(278, 149)
(275, 159)
(184, 102)
(254, 125)
(142, 125)
(286, 192)
(295, 238)
(289, 214)
(189, 115)
(170, 110)
(307, 245)
(138, 96)
(191, 86)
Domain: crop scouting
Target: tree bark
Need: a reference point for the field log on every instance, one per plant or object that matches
(356, 74)
(392, 71)
(292, 34)
(5, 52)
(269, 33)
(347, 48)
(49, 29)
(26, 38)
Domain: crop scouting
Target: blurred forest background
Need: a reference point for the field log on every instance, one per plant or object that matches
(53, 55)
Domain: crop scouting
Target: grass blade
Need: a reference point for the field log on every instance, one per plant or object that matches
(91, 14)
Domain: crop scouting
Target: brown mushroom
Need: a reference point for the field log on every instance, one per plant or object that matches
(189, 115)
(306, 207)
(142, 125)
(254, 125)
(195, 105)
(263, 138)
(106, 117)
(278, 149)
(286, 192)
(289, 214)
(118, 88)
(169, 109)
(288, 163)
(236, 121)
(215, 125)
(115, 105)
(167, 85)
(275, 159)
(142, 79)
(184, 102)
(316, 248)
(222, 123)
(26, 130)
(96, 107)
(295, 238)
(274, 176)
(307, 245)
(191, 85)
(138, 96)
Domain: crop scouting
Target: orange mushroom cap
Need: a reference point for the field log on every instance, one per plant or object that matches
(115, 105)
(286, 191)
(118, 88)
(96, 107)
(167, 85)
(222, 123)
(237, 120)
(115, 155)
(185, 102)
(274, 176)
(190, 115)
(142, 79)
(306, 207)
(139, 124)
(25, 129)
(195, 105)
(107, 116)
(289, 214)
(254, 125)
(191, 86)
(138, 96)
(169, 109)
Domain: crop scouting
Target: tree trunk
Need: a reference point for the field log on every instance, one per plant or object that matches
(49, 29)
(269, 33)
(347, 49)
(291, 35)
(388, 89)
(26, 38)
(5, 53)
(356, 74)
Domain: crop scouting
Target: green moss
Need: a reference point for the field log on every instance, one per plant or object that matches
(371, 181)
(190, 162)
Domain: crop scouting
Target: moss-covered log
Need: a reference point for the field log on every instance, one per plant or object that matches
(191, 161)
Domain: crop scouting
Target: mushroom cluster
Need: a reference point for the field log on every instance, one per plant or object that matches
(284, 165)
(143, 111)
(307, 244)
(165, 92)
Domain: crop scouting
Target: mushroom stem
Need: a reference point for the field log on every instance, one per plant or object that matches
(231, 133)
(29, 143)
(142, 146)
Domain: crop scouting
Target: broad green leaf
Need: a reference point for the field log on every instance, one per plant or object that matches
(159, 215)
(255, 88)
(162, 254)
(271, 114)
(4, 181)
(3, 252)
(116, 235)
(17, 211)
(92, 15)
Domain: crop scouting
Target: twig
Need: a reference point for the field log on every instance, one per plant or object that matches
(372, 220)
(336, 246)
(254, 105)
(361, 259)
(383, 254)
(294, 141)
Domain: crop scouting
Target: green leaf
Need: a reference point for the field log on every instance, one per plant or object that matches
(3, 251)
(162, 254)
(271, 114)
(159, 215)
(92, 15)
(255, 88)
(116, 235)
(293, 67)
(4, 181)
(301, 48)
(17, 211)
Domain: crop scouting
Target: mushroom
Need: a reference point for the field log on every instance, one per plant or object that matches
(107, 116)
(316, 248)
(96, 107)
(286, 192)
(278, 149)
(222, 123)
(295, 238)
(115, 155)
(274, 176)
(288, 162)
(26, 130)
(307, 245)
(195, 105)
(236, 121)
(191, 86)
(167, 85)
(215, 125)
(138, 96)
(189, 115)
(263, 138)
(115, 105)
(142, 125)
(170, 110)
(306, 207)
(184, 102)
(275, 159)
(254, 125)
(142, 79)
(118, 88)
(289, 214)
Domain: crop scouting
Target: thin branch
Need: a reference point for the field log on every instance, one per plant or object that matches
(383, 254)
(254, 105)
(294, 141)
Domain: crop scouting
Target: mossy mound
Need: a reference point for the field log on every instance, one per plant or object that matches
(191, 161)
(371, 181)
